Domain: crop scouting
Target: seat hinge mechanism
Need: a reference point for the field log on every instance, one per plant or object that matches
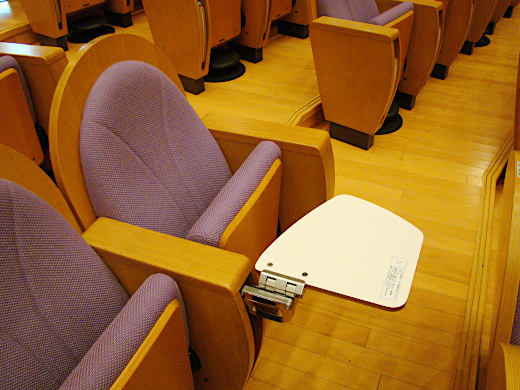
(275, 296)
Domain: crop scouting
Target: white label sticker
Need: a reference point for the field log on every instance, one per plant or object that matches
(518, 169)
(394, 277)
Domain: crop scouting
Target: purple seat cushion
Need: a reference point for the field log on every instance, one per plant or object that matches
(7, 62)
(211, 225)
(147, 158)
(110, 354)
(392, 14)
(56, 295)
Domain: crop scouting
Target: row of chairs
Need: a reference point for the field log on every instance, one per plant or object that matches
(229, 199)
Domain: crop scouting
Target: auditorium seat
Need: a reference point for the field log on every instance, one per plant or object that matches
(359, 64)
(226, 362)
(67, 322)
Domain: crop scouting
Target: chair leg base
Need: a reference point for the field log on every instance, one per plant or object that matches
(405, 100)
(117, 19)
(490, 29)
(440, 71)
(509, 12)
(351, 136)
(468, 48)
(483, 41)
(293, 29)
(247, 53)
(191, 85)
(57, 42)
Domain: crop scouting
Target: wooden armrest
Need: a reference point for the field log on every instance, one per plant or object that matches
(17, 130)
(162, 359)
(307, 160)
(42, 67)
(504, 368)
(209, 279)
(424, 45)
(357, 66)
(212, 269)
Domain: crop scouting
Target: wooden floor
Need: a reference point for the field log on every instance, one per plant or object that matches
(431, 172)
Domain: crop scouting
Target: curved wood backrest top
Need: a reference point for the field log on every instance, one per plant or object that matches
(19, 169)
(67, 109)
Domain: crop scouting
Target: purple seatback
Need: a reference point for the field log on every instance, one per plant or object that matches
(56, 295)
(147, 158)
(356, 10)
(392, 14)
(334, 8)
(7, 62)
(362, 10)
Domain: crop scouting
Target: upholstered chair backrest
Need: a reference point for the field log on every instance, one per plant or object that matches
(147, 158)
(56, 295)
(356, 10)
(8, 62)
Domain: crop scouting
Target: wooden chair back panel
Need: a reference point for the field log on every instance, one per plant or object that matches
(178, 30)
(484, 10)
(457, 21)
(67, 109)
(17, 130)
(500, 10)
(225, 20)
(19, 169)
(303, 12)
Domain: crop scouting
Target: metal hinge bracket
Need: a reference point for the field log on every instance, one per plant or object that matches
(275, 296)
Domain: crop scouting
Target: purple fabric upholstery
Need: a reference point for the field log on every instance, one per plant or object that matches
(515, 332)
(362, 10)
(147, 158)
(392, 14)
(7, 62)
(56, 295)
(110, 354)
(334, 8)
(211, 225)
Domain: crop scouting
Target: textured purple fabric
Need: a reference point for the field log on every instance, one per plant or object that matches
(211, 225)
(334, 8)
(7, 62)
(515, 332)
(392, 14)
(362, 10)
(147, 158)
(56, 295)
(110, 354)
